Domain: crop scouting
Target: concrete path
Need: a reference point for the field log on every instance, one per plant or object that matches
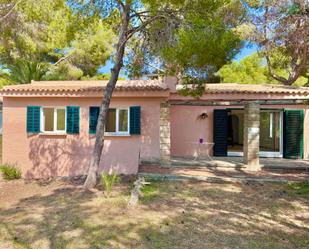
(222, 174)
(237, 162)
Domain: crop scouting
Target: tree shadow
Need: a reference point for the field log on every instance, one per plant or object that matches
(246, 217)
(190, 215)
(70, 156)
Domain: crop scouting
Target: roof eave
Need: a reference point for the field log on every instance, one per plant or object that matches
(80, 93)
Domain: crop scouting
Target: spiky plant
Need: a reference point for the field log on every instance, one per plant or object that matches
(23, 71)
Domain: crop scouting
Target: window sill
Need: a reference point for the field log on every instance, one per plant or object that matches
(52, 134)
(111, 134)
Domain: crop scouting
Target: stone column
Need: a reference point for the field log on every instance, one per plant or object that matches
(165, 135)
(252, 135)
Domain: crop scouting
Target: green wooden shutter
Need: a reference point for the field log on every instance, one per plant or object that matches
(293, 134)
(73, 119)
(94, 112)
(220, 127)
(135, 120)
(33, 119)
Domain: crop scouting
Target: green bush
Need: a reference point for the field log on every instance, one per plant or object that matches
(108, 181)
(10, 172)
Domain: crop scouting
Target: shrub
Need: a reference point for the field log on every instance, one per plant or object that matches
(108, 181)
(10, 172)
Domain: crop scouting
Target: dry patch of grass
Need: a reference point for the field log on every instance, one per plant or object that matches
(171, 215)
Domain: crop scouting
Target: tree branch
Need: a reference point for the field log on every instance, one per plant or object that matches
(273, 74)
(154, 67)
(121, 4)
(134, 30)
(63, 59)
(10, 11)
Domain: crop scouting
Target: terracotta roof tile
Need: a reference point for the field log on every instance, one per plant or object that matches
(85, 86)
(234, 88)
(81, 87)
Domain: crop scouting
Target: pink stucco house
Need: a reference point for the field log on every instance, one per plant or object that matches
(48, 127)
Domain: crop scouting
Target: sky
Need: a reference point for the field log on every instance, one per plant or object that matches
(245, 51)
(106, 68)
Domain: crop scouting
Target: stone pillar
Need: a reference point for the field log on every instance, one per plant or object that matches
(252, 135)
(165, 135)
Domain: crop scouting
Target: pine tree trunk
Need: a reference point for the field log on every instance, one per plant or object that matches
(92, 176)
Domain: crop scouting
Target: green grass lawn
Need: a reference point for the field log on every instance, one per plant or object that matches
(170, 215)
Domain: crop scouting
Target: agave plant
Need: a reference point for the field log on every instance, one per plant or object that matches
(23, 71)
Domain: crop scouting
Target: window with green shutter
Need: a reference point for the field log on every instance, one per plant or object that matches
(33, 119)
(94, 112)
(117, 121)
(135, 120)
(293, 136)
(73, 119)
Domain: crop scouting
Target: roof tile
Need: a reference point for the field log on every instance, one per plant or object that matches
(81, 87)
(234, 88)
(85, 86)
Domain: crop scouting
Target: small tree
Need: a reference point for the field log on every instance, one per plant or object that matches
(281, 29)
(132, 21)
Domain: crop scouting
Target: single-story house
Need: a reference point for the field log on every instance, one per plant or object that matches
(49, 127)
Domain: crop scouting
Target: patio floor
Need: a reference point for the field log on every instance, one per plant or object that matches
(230, 169)
(237, 162)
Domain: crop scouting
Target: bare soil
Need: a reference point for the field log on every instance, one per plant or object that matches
(60, 214)
(275, 174)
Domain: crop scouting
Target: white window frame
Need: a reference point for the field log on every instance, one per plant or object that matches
(271, 117)
(117, 132)
(271, 154)
(55, 131)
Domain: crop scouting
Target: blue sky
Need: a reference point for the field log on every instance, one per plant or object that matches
(247, 50)
(106, 68)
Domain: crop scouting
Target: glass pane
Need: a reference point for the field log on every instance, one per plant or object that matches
(123, 120)
(60, 119)
(111, 121)
(48, 119)
(270, 131)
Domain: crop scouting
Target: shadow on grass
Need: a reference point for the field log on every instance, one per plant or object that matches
(172, 215)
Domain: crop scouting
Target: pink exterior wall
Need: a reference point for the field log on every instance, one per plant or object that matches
(187, 127)
(67, 155)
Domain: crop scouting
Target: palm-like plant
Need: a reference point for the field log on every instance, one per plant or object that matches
(23, 71)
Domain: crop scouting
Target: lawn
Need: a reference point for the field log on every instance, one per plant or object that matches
(59, 214)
